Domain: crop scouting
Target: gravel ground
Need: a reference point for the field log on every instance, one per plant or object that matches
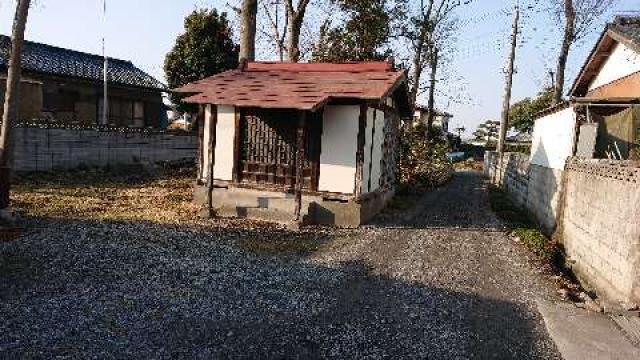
(440, 281)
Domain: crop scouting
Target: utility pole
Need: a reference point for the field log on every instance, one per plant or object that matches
(506, 102)
(11, 100)
(105, 70)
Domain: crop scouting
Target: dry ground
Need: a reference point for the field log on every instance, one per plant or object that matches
(114, 268)
(164, 197)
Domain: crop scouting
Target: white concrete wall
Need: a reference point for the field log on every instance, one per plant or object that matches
(368, 136)
(205, 143)
(376, 158)
(339, 146)
(622, 62)
(225, 135)
(553, 139)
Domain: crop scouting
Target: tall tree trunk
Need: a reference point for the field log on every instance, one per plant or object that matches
(567, 41)
(248, 15)
(11, 100)
(417, 73)
(294, 27)
(425, 36)
(432, 92)
(293, 41)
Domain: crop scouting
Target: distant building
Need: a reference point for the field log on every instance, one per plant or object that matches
(66, 86)
(441, 119)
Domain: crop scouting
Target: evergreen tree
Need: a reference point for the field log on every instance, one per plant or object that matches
(205, 48)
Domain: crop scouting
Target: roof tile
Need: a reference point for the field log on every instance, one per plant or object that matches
(305, 86)
(53, 60)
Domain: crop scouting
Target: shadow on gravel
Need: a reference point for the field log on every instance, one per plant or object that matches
(461, 204)
(111, 290)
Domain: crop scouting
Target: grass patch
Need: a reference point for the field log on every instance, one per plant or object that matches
(521, 226)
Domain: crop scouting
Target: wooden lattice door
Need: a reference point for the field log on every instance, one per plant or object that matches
(268, 148)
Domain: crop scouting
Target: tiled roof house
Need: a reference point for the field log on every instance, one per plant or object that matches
(66, 86)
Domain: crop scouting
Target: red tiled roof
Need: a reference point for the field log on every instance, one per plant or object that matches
(304, 86)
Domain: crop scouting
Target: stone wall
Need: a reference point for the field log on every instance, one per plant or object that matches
(43, 149)
(593, 208)
(601, 225)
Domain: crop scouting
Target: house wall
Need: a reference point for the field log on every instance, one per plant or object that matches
(622, 62)
(375, 167)
(368, 140)
(42, 149)
(590, 207)
(553, 139)
(339, 146)
(628, 86)
(30, 99)
(72, 101)
(225, 137)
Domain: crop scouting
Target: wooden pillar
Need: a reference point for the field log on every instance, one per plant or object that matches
(213, 124)
(300, 142)
(362, 128)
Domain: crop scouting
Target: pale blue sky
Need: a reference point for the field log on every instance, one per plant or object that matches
(144, 30)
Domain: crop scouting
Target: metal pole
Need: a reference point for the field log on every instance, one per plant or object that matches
(105, 70)
(504, 122)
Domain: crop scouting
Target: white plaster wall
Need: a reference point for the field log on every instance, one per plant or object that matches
(553, 138)
(225, 135)
(376, 158)
(622, 62)
(339, 146)
(205, 143)
(366, 174)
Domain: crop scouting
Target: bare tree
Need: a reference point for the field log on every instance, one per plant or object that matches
(278, 33)
(248, 15)
(295, 16)
(11, 99)
(427, 31)
(577, 18)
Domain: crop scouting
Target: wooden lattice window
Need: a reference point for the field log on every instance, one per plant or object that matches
(268, 148)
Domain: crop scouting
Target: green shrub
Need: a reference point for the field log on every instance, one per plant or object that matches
(423, 164)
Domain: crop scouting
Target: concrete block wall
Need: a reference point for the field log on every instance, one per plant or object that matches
(544, 196)
(42, 149)
(601, 226)
(594, 208)
(532, 187)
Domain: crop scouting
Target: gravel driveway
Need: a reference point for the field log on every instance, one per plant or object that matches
(439, 282)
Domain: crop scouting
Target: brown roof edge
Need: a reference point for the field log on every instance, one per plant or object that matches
(585, 66)
(553, 109)
(615, 34)
(621, 37)
(365, 66)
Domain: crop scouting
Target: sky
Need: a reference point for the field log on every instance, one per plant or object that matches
(143, 31)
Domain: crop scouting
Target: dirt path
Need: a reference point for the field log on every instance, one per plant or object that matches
(476, 290)
(440, 283)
